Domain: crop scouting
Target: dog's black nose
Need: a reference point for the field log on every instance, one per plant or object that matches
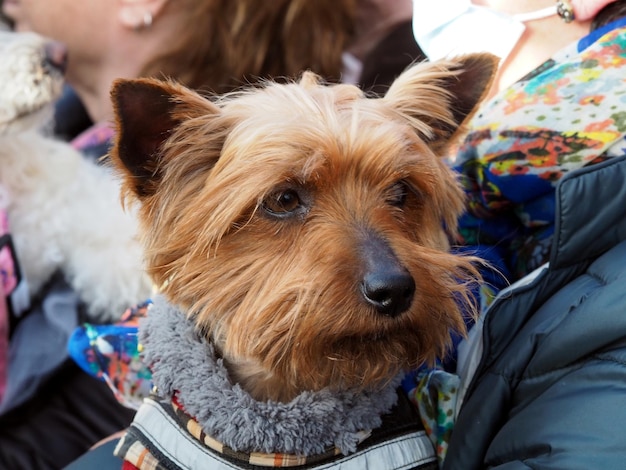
(390, 292)
(385, 283)
(55, 54)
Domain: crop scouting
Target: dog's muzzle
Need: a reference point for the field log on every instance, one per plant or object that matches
(386, 284)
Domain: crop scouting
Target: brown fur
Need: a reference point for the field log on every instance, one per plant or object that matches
(281, 296)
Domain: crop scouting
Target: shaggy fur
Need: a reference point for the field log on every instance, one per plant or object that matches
(185, 364)
(64, 211)
(302, 225)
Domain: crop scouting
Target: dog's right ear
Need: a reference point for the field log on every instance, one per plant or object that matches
(147, 111)
(439, 97)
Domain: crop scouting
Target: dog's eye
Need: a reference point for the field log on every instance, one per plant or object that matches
(282, 203)
(397, 194)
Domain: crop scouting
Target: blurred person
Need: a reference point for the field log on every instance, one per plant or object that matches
(209, 45)
(541, 379)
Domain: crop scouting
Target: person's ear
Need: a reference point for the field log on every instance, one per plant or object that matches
(139, 14)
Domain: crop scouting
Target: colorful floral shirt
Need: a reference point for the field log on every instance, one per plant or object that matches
(112, 353)
(568, 113)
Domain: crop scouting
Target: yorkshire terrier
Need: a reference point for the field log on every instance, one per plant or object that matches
(301, 233)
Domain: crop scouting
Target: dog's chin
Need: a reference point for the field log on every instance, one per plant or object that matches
(355, 364)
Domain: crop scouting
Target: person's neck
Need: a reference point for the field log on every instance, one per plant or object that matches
(542, 38)
(92, 80)
(515, 7)
(94, 95)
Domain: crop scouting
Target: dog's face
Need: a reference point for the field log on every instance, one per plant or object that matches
(31, 73)
(305, 227)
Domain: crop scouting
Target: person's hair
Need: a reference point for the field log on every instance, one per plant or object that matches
(230, 43)
(611, 12)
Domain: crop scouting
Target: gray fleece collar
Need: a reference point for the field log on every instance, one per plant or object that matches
(185, 363)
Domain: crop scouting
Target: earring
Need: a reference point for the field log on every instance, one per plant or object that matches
(147, 19)
(145, 23)
(565, 11)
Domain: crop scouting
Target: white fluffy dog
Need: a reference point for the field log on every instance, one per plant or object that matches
(64, 211)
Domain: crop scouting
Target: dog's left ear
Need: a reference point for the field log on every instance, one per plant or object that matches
(438, 97)
(147, 111)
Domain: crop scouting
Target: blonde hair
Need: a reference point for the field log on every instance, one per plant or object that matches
(230, 43)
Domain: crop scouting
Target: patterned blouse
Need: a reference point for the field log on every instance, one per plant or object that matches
(568, 113)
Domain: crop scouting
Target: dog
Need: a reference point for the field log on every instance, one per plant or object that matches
(64, 211)
(300, 234)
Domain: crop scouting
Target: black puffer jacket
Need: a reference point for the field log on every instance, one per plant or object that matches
(549, 390)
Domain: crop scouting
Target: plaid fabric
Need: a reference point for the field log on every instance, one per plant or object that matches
(132, 449)
(164, 437)
(136, 454)
(253, 458)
